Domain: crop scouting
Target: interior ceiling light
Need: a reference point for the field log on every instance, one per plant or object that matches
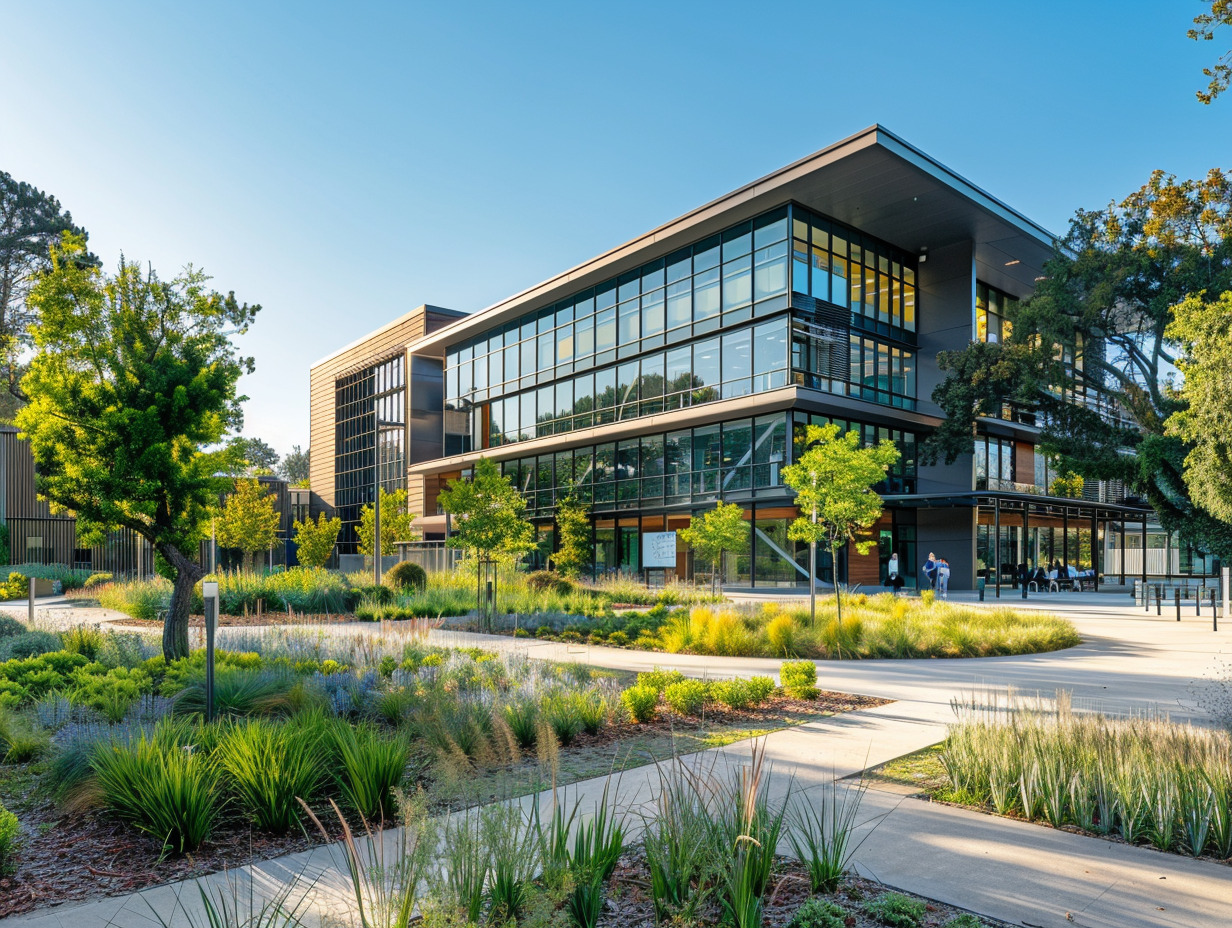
(1008, 263)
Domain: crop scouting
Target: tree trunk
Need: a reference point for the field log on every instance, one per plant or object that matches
(175, 627)
(247, 562)
(838, 595)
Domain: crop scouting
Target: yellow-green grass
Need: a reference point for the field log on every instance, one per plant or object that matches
(881, 626)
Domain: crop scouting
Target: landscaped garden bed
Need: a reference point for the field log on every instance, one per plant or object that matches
(1138, 780)
(878, 626)
(117, 783)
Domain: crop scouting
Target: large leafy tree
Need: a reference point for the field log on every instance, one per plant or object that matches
(575, 552)
(294, 469)
(30, 223)
(834, 479)
(1090, 354)
(315, 540)
(253, 456)
(712, 533)
(396, 524)
(248, 520)
(1203, 330)
(132, 379)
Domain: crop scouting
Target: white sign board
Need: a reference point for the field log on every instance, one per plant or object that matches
(658, 549)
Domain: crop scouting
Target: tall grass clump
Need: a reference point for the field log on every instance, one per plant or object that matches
(161, 786)
(1143, 778)
(269, 766)
(372, 764)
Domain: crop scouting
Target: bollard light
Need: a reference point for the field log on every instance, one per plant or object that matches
(209, 593)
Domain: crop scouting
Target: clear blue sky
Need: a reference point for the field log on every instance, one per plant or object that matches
(342, 163)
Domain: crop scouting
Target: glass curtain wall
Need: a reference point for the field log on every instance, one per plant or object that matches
(362, 397)
(564, 359)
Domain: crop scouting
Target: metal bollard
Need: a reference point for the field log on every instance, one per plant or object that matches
(30, 603)
(1177, 597)
(1214, 614)
(1159, 600)
(1146, 598)
(1024, 591)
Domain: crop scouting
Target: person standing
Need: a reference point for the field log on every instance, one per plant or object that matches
(930, 570)
(943, 578)
(893, 580)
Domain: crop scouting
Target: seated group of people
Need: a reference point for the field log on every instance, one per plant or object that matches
(1055, 577)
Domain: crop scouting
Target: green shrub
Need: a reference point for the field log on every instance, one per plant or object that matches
(19, 741)
(659, 679)
(522, 717)
(406, 574)
(735, 694)
(896, 910)
(140, 599)
(28, 644)
(640, 701)
(799, 679)
(928, 596)
(686, 697)
(571, 635)
(10, 828)
(71, 578)
(592, 710)
(160, 788)
(377, 593)
(965, 920)
(819, 913)
(372, 764)
(561, 710)
(9, 627)
(86, 640)
(97, 579)
(618, 639)
(549, 581)
(544, 631)
(110, 694)
(270, 766)
(760, 689)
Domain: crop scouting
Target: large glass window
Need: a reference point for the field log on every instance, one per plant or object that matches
(992, 311)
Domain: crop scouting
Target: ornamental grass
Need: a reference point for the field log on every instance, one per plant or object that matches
(1145, 779)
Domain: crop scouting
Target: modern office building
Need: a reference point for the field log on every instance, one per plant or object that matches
(683, 367)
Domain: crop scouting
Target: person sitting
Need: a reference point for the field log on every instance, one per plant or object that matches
(1054, 579)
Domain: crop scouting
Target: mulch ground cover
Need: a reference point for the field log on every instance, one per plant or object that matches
(629, 903)
(72, 856)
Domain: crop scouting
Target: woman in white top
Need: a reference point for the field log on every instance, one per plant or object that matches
(943, 578)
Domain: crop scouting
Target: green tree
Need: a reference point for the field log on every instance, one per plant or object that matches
(294, 469)
(721, 529)
(315, 540)
(248, 520)
(1220, 73)
(1203, 330)
(834, 479)
(132, 378)
(576, 552)
(396, 524)
(487, 522)
(30, 223)
(252, 456)
(1089, 355)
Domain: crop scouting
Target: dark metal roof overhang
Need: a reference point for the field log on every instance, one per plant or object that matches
(1016, 502)
(874, 181)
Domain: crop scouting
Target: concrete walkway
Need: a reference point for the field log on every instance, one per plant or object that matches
(1021, 873)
